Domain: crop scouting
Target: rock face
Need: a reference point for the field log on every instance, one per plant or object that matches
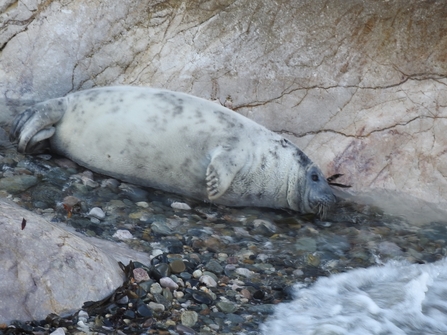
(360, 86)
(46, 269)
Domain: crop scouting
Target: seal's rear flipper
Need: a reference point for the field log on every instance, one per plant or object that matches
(34, 127)
(220, 173)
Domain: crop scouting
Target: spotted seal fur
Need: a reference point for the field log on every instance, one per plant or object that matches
(178, 143)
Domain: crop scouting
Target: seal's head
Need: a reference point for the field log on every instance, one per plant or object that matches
(318, 195)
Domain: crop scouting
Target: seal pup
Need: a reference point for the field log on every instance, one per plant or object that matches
(177, 143)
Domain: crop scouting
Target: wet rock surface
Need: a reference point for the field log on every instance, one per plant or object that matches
(212, 269)
(46, 269)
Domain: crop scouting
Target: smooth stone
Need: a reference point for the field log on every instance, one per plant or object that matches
(244, 272)
(122, 234)
(97, 213)
(313, 260)
(161, 270)
(168, 283)
(226, 307)
(142, 204)
(234, 318)
(208, 281)
(156, 288)
(58, 331)
(263, 309)
(18, 183)
(389, 249)
(180, 205)
(161, 228)
(145, 311)
(167, 294)
(189, 318)
(185, 276)
(182, 329)
(306, 244)
(140, 275)
(264, 227)
(202, 297)
(211, 274)
(123, 301)
(177, 266)
(156, 307)
(214, 266)
(178, 294)
(159, 298)
(197, 273)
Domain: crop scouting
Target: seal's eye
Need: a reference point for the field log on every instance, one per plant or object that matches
(315, 177)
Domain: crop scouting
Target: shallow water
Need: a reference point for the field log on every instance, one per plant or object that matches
(279, 249)
(397, 298)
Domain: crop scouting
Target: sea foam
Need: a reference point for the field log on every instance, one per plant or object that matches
(397, 298)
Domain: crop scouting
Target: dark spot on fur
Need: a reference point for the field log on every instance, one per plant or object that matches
(301, 156)
(274, 154)
(284, 142)
(178, 110)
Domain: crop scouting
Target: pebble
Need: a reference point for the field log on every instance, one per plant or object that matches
(97, 213)
(177, 266)
(156, 288)
(244, 272)
(122, 234)
(214, 266)
(16, 184)
(180, 205)
(156, 307)
(208, 281)
(189, 318)
(197, 273)
(58, 331)
(168, 283)
(140, 275)
(226, 307)
(142, 204)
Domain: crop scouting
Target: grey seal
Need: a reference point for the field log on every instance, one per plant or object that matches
(177, 143)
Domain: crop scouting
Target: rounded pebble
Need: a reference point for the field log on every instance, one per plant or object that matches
(97, 213)
(202, 297)
(208, 281)
(140, 275)
(197, 273)
(189, 318)
(168, 283)
(180, 205)
(177, 266)
(122, 234)
(144, 310)
(156, 307)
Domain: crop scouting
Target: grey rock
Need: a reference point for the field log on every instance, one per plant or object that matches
(189, 318)
(214, 266)
(97, 212)
(263, 309)
(18, 183)
(306, 244)
(227, 306)
(48, 270)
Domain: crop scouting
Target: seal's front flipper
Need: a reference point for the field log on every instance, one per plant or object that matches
(221, 172)
(33, 127)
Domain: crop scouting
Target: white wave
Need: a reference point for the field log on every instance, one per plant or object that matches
(397, 298)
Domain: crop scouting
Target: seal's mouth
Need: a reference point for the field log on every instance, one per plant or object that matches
(321, 208)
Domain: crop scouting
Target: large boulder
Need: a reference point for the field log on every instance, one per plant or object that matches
(359, 85)
(46, 269)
